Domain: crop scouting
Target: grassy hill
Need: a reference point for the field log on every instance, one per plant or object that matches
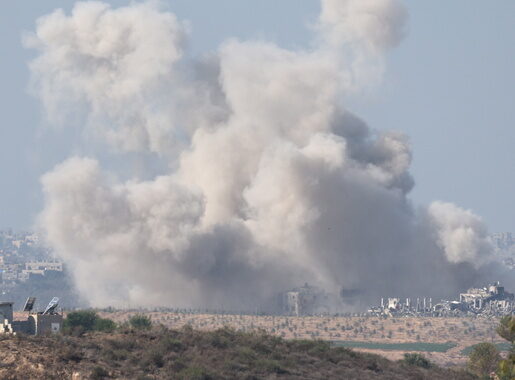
(161, 353)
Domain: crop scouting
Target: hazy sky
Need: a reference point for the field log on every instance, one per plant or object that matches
(450, 86)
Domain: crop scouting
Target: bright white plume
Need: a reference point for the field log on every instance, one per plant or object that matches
(272, 181)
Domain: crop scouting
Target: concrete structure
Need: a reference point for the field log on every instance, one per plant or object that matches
(6, 318)
(491, 300)
(394, 304)
(6, 311)
(35, 324)
(477, 298)
(44, 324)
(44, 265)
(307, 300)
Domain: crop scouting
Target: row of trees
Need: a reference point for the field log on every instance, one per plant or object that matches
(79, 322)
(485, 359)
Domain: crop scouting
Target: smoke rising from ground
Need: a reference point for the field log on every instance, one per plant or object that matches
(272, 181)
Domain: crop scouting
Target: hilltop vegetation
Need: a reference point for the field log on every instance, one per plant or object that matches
(160, 353)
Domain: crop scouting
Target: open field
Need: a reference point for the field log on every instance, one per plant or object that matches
(406, 347)
(454, 334)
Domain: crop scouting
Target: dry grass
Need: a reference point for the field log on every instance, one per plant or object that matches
(462, 331)
(161, 353)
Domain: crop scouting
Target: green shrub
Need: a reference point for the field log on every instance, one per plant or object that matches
(219, 341)
(245, 354)
(418, 360)
(483, 359)
(506, 328)
(80, 320)
(140, 322)
(506, 369)
(270, 366)
(171, 344)
(154, 357)
(104, 325)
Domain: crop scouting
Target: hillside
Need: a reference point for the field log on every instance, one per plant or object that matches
(161, 353)
(429, 331)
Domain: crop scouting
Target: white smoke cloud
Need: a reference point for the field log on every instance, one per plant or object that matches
(273, 182)
(371, 25)
(461, 234)
(122, 67)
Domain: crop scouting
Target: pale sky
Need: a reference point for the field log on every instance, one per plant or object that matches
(450, 86)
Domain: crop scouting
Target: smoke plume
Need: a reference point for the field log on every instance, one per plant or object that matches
(272, 181)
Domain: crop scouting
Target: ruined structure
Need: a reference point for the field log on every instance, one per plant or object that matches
(492, 300)
(493, 297)
(307, 300)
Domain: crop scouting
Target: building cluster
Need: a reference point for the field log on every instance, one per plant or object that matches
(22, 256)
(504, 248)
(492, 300)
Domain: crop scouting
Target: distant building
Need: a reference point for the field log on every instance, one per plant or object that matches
(307, 300)
(478, 298)
(41, 266)
(502, 240)
(492, 300)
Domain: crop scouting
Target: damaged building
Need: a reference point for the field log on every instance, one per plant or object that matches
(491, 300)
(493, 297)
(308, 300)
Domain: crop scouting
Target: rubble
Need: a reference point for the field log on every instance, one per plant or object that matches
(492, 300)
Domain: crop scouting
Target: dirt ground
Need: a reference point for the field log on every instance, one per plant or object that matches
(463, 332)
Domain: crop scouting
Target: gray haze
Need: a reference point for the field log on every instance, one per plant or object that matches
(269, 180)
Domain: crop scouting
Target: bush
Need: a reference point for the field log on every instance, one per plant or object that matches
(171, 344)
(104, 325)
(483, 359)
(153, 357)
(418, 360)
(270, 366)
(506, 369)
(80, 320)
(506, 328)
(140, 322)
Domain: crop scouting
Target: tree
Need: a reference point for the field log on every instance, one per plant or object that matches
(416, 359)
(104, 325)
(140, 322)
(83, 320)
(483, 359)
(506, 330)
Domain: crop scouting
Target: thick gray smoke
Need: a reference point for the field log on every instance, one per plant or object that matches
(272, 181)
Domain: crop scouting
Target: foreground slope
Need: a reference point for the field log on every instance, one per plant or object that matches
(161, 353)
